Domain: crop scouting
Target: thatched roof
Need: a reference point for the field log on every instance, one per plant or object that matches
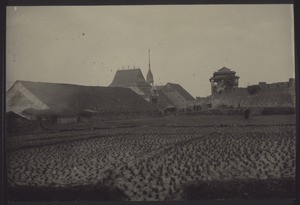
(66, 99)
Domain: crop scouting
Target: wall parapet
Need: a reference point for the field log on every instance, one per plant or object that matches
(279, 94)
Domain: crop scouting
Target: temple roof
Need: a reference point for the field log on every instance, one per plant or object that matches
(224, 70)
(130, 77)
(223, 73)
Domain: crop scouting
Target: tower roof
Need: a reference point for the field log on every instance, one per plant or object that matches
(223, 73)
(224, 70)
(149, 76)
(127, 78)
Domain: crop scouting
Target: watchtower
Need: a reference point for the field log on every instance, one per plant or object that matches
(223, 79)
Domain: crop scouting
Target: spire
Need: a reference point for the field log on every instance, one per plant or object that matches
(149, 74)
(149, 60)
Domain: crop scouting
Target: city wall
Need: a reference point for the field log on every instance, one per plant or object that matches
(267, 95)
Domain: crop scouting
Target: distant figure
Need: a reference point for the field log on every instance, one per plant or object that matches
(247, 113)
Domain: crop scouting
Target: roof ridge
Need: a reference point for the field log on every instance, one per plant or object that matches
(225, 69)
(26, 81)
(129, 69)
(125, 78)
(173, 83)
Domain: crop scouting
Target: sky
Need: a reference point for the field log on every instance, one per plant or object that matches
(86, 45)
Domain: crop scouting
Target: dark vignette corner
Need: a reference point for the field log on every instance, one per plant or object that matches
(296, 32)
(2, 103)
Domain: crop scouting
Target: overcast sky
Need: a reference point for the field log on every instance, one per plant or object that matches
(86, 45)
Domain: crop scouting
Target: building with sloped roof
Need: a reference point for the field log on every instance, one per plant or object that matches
(64, 103)
(133, 79)
(168, 98)
(166, 106)
(171, 96)
(178, 96)
(16, 124)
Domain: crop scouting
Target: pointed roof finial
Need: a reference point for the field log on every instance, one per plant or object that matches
(149, 60)
(150, 79)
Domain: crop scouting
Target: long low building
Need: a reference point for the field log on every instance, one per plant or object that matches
(177, 96)
(68, 103)
(16, 124)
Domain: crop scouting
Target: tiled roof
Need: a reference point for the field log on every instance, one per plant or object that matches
(225, 70)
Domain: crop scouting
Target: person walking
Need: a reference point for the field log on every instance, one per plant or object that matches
(247, 113)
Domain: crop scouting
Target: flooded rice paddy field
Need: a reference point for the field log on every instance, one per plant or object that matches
(152, 162)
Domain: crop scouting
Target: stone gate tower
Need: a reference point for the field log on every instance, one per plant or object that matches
(223, 79)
